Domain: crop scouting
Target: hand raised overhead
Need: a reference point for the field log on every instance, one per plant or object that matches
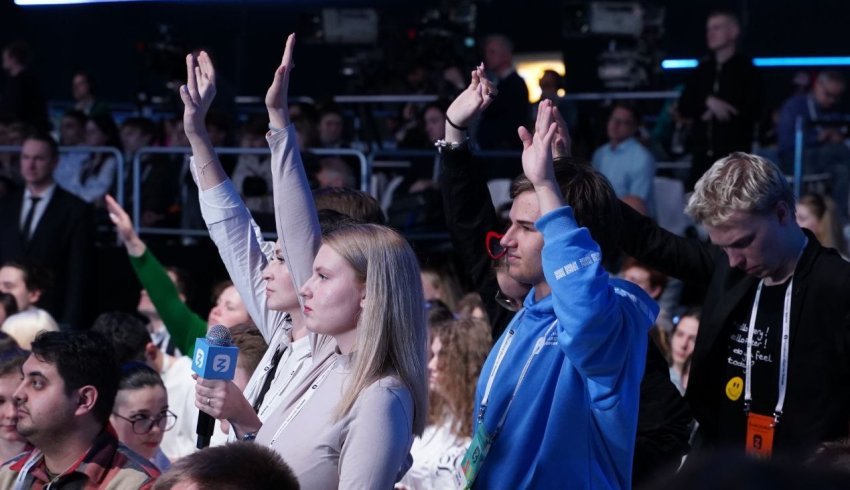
(537, 148)
(472, 101)
(198, 93)
(276, 96)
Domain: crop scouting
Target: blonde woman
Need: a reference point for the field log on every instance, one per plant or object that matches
(353, 426)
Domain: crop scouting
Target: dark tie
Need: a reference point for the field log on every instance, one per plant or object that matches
(25, 231)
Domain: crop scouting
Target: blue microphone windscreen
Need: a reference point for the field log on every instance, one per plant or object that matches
(219, 335)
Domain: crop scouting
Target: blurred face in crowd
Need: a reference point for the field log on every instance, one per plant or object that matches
(12, 282)
(8, 411)
(827, 92)
(807, 219)
(146, 307)
(37, 163)
(80, 87)
(330, 128)
(229, 310)
(641, 277)
(280, 291)
(141, 403)
(133, 138)
(44, 408)
(9, 62)
(497, 56)
(431, 286)
(682, 343)
(71, 132)
(435, 124)
(524, 243)
(434, 365)
(333, 296)
(750, 240)
(549, 85)
(94, 136)
(621, 125)
(721, 32)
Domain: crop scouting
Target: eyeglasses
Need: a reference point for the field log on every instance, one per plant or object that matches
(143, 425)
(505, 302)
(493, 244)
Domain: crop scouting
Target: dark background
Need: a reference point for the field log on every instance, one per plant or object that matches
(246, 37)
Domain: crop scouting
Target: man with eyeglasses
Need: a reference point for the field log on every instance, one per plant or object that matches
(63, 406)
(823, 144)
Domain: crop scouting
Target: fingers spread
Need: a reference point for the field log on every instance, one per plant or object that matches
(207, 67)
(525, 137)
(191, 77)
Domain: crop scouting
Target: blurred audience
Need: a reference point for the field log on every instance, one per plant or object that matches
(816, 213)
(21, 98)
(510, 108)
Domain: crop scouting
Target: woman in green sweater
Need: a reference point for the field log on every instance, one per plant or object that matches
(184, 325)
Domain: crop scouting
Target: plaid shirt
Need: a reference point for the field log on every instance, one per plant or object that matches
(106, 465)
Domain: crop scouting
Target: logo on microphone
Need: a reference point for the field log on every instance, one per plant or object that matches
(199, 358)
(221, 363)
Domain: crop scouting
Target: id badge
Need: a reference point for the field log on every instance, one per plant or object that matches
(473, 459)
(760, 429)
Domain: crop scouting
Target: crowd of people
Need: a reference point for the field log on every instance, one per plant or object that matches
(578, 343)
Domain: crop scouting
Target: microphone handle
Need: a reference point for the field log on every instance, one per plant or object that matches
(206, 425)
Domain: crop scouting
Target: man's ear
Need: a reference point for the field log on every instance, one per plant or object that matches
(784, 213)
(34, 295)
(151, 353)
(87, 397)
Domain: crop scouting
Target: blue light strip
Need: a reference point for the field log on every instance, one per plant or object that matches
(798, 61)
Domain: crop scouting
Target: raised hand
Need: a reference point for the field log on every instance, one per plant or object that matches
(562, 143)
(276, 96)
(537, 148)
(470, 103)
(198, 93)
(124, 227)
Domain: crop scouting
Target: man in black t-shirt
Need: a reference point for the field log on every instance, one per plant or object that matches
(775, 297)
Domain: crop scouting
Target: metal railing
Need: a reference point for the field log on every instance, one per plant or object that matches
(64, 150)
(136, 212)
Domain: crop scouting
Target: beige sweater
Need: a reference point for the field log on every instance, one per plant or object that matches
(366, 448)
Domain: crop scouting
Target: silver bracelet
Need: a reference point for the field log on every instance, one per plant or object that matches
(443, 145)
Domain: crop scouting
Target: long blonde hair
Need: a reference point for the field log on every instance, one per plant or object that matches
(391, 333)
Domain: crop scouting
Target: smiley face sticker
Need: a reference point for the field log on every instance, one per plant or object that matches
(734, 388)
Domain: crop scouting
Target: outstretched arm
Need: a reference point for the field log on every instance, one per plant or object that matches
(182, 323)
(297, 223)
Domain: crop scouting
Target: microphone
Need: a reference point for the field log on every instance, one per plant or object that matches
(215, 358)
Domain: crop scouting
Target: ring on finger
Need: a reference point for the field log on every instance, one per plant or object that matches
(492, 93)
(209, 402)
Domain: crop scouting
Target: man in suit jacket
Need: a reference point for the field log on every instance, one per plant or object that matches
(510, 108)
(48, 227)
(776, 299)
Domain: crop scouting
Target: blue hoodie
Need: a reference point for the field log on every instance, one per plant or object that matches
(574, 419)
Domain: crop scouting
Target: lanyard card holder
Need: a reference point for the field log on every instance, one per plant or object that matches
(473, 459)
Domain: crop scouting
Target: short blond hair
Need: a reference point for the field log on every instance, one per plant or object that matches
(739, 182)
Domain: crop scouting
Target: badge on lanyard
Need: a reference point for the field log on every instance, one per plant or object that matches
(760, 430)
(473, 459)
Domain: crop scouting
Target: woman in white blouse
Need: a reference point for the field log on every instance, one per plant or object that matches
(458, 350)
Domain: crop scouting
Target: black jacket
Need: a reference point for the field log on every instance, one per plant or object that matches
(817, 403)
(62, 243)
(509, 110)
(663, 418)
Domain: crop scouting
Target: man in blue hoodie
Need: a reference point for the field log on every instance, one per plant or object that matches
(557, 399)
